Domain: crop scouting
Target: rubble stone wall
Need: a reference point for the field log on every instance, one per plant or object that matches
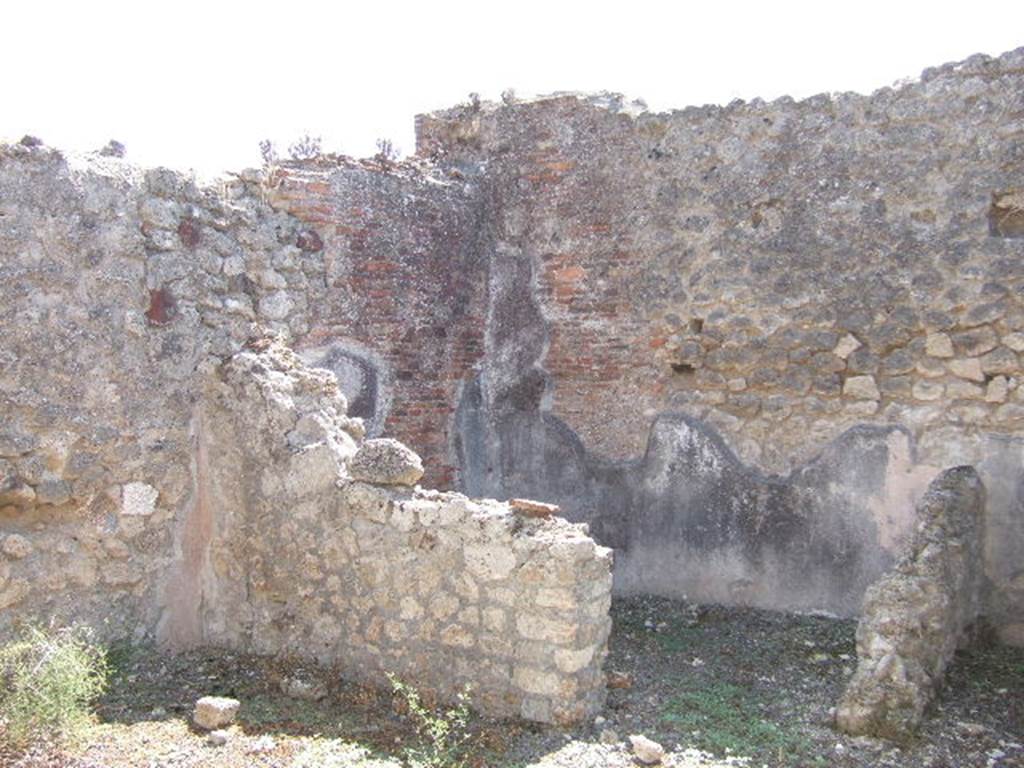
(121, 283)
(741, 340)
(372, 576)
(157, 491)
(916, 617)
(738, 341)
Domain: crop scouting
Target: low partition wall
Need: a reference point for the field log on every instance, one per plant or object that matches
(309, 541)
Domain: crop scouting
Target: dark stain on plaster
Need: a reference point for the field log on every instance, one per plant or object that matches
(162, 307)
(689, 505)
(189, 232)
(687, 517)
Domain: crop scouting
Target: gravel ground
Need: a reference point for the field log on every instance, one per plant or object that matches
(715, 686)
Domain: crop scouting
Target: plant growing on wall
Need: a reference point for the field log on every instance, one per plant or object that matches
(387, 154)
(306, 147)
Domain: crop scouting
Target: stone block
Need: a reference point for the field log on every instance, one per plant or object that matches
(212, 712)
(939, 345)
(535, 627)
(489, 562)
(138, 499)
(386, 462)
(969, 369)
(861, 387)
(846, 345)
(17, 547)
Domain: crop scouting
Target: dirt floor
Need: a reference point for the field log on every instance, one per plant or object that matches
(717, 687)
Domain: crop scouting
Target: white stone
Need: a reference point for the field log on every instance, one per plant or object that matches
(846, 346)
(646, 751)
(489, 562)
(213, 712)
(138, 499)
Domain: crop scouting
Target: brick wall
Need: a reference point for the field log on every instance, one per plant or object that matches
(403, 278)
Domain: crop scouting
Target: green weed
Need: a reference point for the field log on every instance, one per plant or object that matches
(443, 734)
(725, 719)
(49, 679)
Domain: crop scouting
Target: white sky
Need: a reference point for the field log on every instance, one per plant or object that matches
(198, 84)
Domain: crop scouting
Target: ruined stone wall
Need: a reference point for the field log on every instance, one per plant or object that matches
(319, 554)
(738, 341)
(119, 283)
(158, 482)
(742, 340)
(917, 616)
(401, 316)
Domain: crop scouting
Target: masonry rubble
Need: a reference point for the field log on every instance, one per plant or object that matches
(916, 617)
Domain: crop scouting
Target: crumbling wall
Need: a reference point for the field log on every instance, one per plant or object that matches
(137, 482)
(120, 284)
(400, 319)
(915, 617)
(737, 341)
(321, 548)
(788, 279)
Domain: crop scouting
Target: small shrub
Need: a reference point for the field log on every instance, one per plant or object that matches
(49, 679)
(443, 734)
(386, 153)
(305, 148)
(268, 151)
